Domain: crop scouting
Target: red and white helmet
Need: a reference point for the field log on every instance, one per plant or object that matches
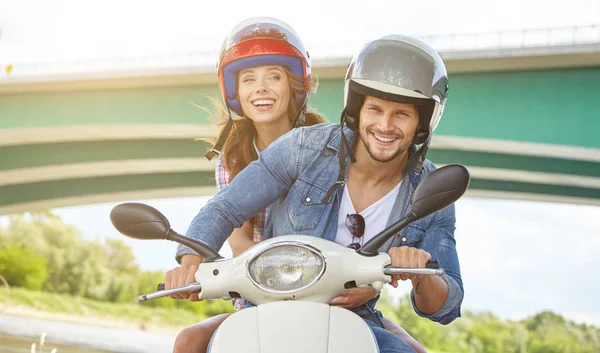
(260, 41)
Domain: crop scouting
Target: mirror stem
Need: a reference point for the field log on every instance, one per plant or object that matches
(371, 248)
(208, 254)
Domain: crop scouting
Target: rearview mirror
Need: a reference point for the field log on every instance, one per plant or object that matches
(140, 221)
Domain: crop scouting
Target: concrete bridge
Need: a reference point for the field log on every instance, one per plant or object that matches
(524, 118)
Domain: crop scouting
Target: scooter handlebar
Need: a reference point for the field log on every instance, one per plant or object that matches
(431, 268)
(431, 264)
(162, 292)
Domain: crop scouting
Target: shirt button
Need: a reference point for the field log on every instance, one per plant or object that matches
(404, 239)
(308, 199)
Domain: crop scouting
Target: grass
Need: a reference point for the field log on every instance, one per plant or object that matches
(82, 307)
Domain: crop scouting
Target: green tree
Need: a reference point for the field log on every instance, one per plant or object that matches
(495, 336)
(550, 332)
(22, 267)
(120, 262)
(430, 334)
(48, 236)
(120, 258)
(75, 266)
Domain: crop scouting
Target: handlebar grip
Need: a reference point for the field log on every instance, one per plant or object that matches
(161, 286)
(432, 264)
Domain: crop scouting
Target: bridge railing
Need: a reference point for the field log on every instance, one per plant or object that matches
(199, 62)
(526, 38)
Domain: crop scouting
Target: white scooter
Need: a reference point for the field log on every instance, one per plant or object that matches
(292, 278)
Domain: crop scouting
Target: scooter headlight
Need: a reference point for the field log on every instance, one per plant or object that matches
(286, 267)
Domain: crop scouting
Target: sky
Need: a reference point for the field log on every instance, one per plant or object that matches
(59, 30)
(517, 257)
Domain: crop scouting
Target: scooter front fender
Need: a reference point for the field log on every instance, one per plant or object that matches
(294, 327)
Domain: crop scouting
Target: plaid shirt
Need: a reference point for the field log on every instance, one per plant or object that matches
(222, 177)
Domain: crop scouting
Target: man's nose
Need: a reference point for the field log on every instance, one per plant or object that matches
(386, 122)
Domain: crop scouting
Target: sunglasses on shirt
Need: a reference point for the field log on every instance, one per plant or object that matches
(356, 225)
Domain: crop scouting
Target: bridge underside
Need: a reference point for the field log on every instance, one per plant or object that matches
(522, 134)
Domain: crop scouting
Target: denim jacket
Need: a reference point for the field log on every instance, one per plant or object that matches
(292, 176)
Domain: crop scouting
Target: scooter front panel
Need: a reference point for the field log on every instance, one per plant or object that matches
(348, 333)
(238, 333)
(294, 327)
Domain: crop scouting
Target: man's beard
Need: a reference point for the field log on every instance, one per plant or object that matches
(401, 150)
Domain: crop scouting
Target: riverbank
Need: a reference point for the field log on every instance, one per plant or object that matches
(90, 320)
(100, 337)
(87, 324)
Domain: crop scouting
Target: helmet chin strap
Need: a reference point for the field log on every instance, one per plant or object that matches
(300, 118)
(341, 179)
(417, 160)
(216, 149)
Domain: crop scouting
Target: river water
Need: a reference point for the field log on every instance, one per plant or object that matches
(11, 344)
(18, 333)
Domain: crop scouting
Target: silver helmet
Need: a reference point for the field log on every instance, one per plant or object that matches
(400, 69)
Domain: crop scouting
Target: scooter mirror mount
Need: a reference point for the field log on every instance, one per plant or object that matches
(140, 221)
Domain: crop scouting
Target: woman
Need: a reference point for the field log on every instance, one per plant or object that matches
(264, 77)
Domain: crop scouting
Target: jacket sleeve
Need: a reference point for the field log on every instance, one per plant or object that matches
(257, 186)
(440, 243)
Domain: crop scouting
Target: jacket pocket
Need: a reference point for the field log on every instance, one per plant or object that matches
(411, 236)
(303, 205)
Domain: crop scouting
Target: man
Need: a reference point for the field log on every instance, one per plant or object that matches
(347, 182)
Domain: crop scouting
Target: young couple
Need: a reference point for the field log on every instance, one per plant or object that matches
(282, 170)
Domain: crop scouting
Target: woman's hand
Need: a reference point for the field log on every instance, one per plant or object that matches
(354, 297)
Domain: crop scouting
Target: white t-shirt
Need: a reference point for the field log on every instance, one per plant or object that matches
(376, 216)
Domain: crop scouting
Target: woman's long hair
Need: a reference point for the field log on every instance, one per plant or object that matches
(238, 150)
